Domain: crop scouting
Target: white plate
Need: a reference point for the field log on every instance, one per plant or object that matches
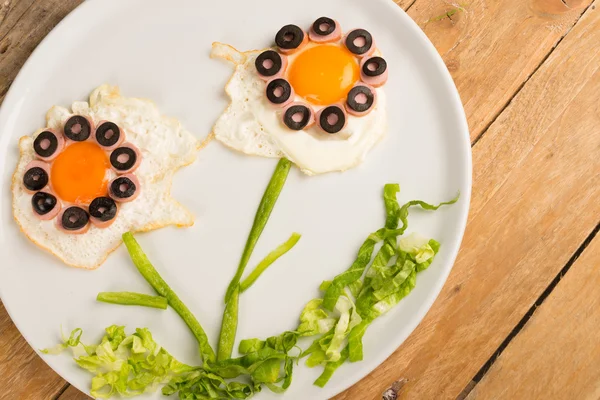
(160, 50)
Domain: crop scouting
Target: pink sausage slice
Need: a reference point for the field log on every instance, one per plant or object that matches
(79, 128)
(36, 176)
(45, 205)
(332, 119)
(124, 188)
(270, 65)
(48, 144)
(279, 92)
(73, 220)
(103, 211)
(101, 224)
(290, 39)
(298, 116)
(125, 158)
(109, 135)
(361, 100)
(325, 30)
(374, 71)
(360, 43)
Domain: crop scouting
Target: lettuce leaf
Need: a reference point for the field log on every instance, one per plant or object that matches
(127, 365)
(417, 247)
(314, 319)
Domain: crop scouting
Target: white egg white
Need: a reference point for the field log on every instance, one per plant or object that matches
(252, 125)
(165, 147)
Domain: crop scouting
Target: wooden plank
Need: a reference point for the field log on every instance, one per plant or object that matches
(537, 181)
(23, 24)
(73, 394)
(23, 375)
(492, 47)
(557, 353)
(27, 33)
(11, 11)
(405, 4)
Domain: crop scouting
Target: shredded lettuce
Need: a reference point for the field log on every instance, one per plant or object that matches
(131, 364)
(417, 247)
(314, 319)
(127, 365)
(201, 384)
(377, 287)
(330, 369)
(353, 273)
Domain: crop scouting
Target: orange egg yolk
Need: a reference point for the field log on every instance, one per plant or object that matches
(78, 174)
(323, 74)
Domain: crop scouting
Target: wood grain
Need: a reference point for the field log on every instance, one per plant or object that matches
(536, 185)
(405, 4)
(23, 24)
(11, 12)
(23, 374)
(557, 354)
(73, 394)
(491, 47)
(24, 32)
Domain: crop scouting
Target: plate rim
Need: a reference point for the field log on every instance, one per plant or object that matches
(457, 109)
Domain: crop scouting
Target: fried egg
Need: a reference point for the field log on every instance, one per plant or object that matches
(81, 172)
(320, 74)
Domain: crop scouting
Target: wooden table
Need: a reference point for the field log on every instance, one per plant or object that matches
(519, 317)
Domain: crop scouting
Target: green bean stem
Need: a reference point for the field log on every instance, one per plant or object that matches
(162, 288)
(229, 327)
(268, 260)
(133, 299)
(260, 220)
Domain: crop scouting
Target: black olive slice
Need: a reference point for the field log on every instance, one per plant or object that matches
(108, 134)
(74, 218)
(279, 91)
(78, 128)
(362, 35)
(339, 118)
(121, 153)
(289, 37)
(45, 144)
(43, 202)
(356, 92)
(103, 208)
(35, 178)
(328, 23)
(271, 58)
(297, 116)
(122, 187)
(374, 66)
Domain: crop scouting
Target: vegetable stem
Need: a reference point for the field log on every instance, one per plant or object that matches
(149, 273)
(260, 220)
(268, 260)
(229, 327)
(133, 299)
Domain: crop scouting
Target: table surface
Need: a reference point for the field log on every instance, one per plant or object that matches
(518, 317)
